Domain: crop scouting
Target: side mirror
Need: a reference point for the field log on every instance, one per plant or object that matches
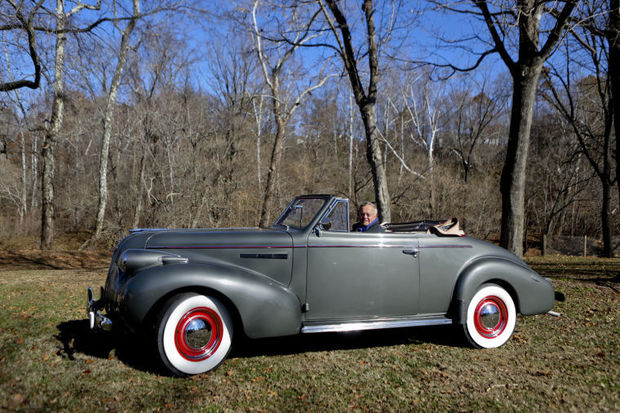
(322, 226)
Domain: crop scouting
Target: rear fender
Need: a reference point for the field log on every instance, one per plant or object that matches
(532, 293)
(265, 307)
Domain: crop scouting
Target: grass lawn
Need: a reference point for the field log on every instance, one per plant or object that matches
(50, 361)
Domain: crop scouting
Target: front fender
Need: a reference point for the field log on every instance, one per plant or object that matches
(266, 308)
(532, 293)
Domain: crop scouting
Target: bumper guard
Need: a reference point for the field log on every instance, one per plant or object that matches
(97, 320)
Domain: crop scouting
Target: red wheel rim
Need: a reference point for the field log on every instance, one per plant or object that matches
(490, 317)
(198, 334)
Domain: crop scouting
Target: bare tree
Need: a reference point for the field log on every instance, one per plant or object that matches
(417, 121)
(402, 104)
(19, 17)
(282, 112)
(161, 118)
(365, 97)
(613, 40)
(559, 175)
(350, 164)
(257, 106)
(531, 20)
(20, 121)
(470, 114)
(613, 35)
(56, 120)
(108, 116)
(585, 101)
(423, 111)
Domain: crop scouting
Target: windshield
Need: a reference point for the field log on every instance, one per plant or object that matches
(300, 213)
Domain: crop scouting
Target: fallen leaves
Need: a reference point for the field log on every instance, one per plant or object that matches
(559, 363)
(16, 400)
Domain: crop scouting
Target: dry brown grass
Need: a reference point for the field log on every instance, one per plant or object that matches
(50, 361)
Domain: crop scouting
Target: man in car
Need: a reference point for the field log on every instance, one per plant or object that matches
(368, 219)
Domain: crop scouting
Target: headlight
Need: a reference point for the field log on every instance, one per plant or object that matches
(131, 261)
(121, 262)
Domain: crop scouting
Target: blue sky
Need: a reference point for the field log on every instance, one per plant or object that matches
(418, 35)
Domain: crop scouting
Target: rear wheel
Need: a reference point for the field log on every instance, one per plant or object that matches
(194, 334)
(491, 317)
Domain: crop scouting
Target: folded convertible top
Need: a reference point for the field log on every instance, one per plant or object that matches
(448, 227)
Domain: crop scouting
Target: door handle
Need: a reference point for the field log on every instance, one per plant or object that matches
(413, 252)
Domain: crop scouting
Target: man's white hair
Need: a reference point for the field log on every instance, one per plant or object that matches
(367, 203)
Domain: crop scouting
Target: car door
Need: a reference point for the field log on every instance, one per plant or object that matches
(355, 275)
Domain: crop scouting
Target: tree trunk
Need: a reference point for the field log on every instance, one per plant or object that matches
(374, 154)
(431, 175)
(614, 74)
(525, 74)
(138, 211)
(350, 188)
(258, 115)
(280, 112)
(512, 185)
(51, 136)
(107, 123)
(366, 101)
(431, 171)
(605, 218)
(607, 182)
(613, 36)
(34, 161)
(274, 163)
(47, 191)
(24, 178)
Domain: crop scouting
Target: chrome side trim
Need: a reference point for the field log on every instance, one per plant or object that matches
(373, 325)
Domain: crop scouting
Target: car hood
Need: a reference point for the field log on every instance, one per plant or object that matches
(216, 238)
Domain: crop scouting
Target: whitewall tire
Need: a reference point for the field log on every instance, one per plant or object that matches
(491, 317)
(194, 334)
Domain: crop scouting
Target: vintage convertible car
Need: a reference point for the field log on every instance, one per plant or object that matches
(309, 274)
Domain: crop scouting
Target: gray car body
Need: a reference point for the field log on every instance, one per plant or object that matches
(284, 281)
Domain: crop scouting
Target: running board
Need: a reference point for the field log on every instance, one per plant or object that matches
(373, 325)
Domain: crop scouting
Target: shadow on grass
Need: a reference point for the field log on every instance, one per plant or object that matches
(304, 343)
(601, 272)
(56, 260)
(76, 337)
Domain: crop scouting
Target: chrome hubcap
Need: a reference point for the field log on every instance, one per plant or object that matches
(490, 316)
(197, 334)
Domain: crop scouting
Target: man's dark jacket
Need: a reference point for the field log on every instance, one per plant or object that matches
(374, 226)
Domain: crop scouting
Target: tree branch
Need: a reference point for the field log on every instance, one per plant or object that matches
(28, 26)
(558, 29)
(499, 44)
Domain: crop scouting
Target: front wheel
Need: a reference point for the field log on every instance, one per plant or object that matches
(491, 317)
(194, 334)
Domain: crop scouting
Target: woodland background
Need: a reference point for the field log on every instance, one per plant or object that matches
(118, 114)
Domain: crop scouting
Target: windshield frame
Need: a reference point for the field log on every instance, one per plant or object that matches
(325, 199)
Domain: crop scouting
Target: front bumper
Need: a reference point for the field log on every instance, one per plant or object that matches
(97, 321)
